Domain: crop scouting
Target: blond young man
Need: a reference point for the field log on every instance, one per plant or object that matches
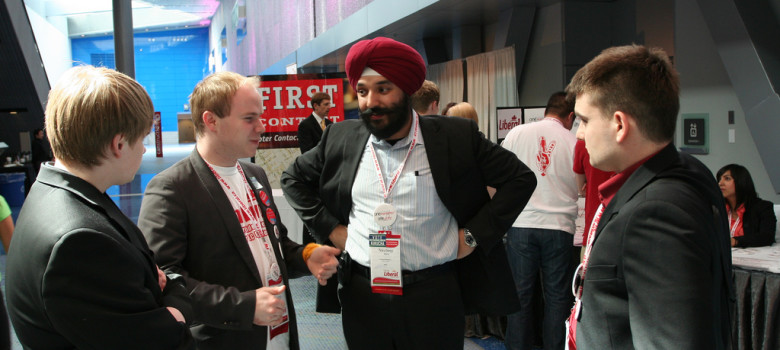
(80, 274)
(211, 218)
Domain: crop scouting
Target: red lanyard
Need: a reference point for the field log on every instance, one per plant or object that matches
(591, 236)
(394, 180)
(571, 341)
(244, 207)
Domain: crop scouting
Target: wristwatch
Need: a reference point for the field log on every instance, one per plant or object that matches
(468, 238)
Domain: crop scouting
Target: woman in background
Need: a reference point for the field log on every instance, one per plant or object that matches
(463, 110)
(751, 219)
(447, 108)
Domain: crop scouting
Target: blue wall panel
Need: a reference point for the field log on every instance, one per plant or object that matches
(167, 63)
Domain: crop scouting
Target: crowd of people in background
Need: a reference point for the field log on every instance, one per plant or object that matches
(412, 218)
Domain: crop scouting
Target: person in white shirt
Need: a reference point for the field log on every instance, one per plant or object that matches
(405, 197)
(212, 219)
(541, 237)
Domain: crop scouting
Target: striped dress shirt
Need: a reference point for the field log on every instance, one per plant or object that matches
(429, 232)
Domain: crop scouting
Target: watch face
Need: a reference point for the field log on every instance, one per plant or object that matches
(469, 240)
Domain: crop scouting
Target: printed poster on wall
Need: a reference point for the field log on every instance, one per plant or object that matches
(533, 114)
(287, 102)
(509, 117)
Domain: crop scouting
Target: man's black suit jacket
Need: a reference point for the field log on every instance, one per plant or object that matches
(318, 185)
(659, 275)
(310, 133)
(190, 224)
(80, 274)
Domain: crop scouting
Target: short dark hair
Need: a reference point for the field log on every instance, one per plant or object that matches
(636, 80)
(743, 182)
(317, 98)
(425, 95)
(559, 105)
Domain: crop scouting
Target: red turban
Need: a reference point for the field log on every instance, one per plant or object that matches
(394, 60)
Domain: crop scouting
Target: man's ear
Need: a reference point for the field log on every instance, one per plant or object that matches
(570, 119)
(622, 124)
(118, 144)
(210, 120)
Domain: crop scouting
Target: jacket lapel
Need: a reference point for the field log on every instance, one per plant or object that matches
(436, 148)
(638, 180)
(270, 217)
(224, 211)
(351, 156)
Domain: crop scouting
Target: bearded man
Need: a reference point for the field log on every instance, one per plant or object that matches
(404, 196)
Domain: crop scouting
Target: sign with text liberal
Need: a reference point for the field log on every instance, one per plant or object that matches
(508, 118)
(287, 102)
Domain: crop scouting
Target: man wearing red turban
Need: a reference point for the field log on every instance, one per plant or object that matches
(404, 196)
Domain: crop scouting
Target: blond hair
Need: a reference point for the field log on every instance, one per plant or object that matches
(88, 107)
(464, 110)
(214, 94)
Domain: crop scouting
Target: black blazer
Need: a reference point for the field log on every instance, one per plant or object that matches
(659, 275)
(758, 224)
(190, 224)
(318, 186)
(80, 275)
(310, 133)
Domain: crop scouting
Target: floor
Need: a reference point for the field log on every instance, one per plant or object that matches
(316, 330)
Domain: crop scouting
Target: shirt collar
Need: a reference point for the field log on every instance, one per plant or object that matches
(610, 188)
(554, 119)
(404, 142)
(319, 119)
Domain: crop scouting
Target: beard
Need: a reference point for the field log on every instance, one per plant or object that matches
(397, 116)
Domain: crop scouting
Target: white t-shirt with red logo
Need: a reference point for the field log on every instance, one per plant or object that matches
(547, 148)
(248, 212)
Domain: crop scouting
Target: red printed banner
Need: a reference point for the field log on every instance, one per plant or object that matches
(287, 102)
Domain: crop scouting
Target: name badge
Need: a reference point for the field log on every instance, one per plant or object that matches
(274, 278)
(385, 255)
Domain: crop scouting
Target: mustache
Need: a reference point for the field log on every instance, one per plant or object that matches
(374, 111)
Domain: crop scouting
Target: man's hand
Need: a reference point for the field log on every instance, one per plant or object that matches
(162, 279)
(463, 249)
(323, 263)
(177, 314)
(269, 306)
(339, 237)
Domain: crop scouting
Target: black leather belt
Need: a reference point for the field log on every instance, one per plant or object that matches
(409, 277)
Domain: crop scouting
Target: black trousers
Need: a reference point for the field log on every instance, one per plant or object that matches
(429, 315)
